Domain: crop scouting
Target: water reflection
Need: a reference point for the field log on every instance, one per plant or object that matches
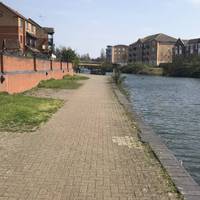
(172, 107)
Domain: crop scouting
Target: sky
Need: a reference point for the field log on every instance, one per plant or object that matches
(90, 25)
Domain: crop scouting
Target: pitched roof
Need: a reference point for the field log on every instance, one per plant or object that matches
(33, 22)
(160, 37)
(183, 42)
(121, 45)
(196, 40)
(135, 43)
(13, 11)
(18, 14)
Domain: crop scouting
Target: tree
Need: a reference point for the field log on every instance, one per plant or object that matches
(85, 57)
(67, 55)
(58, 53)
(103, 55)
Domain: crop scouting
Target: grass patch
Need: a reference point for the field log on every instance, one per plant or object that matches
(68, 82)
(76, 78)
(25, 113)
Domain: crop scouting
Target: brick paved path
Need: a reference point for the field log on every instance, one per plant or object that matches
(88, 150)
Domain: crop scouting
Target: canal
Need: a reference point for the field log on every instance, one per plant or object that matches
(171, 106)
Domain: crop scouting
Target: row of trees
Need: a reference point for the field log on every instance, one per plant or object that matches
(69, 55)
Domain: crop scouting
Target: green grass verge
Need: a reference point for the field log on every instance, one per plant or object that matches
(25, 113)
(76, 78)
(68, 82)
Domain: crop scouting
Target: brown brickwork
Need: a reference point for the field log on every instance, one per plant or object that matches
(20, 75)
(26, 34)
(153, 50)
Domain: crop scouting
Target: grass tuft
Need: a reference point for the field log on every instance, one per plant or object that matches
(68, 82)
(22, 113)
(25, 113)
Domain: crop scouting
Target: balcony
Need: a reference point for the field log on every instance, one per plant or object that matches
(50, 41)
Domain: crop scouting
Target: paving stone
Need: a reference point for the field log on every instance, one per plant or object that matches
(88, 150)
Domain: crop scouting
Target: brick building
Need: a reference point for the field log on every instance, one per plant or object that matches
(187, 47)
(117, 54)
(44, 35)
(153, 49)
(18, 33)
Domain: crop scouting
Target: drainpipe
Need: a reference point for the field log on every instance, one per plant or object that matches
(51, 65)
(34, 63)
(2, 63)
(61, 65)
(67, 66)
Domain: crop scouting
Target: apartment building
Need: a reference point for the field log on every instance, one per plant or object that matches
(44, 35)
(153, 49)
(109, 54)
(117, 54)
(17, 33)
(187, 47)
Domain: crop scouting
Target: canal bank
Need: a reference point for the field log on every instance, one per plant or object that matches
(88, 150)
(180, 177)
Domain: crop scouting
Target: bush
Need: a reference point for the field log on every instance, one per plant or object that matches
(135, 68)
(183, 67)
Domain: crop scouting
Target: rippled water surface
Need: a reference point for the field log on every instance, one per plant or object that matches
(172, 107)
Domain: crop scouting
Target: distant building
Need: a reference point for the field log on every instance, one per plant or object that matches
(153, 49)
(109, 54)
(187, 47)
(180, 48)
(117, 54)
(18, 33)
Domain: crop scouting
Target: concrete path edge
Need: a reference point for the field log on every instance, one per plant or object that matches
(183, 181)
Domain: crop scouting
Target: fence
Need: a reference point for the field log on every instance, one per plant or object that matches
(18, 74)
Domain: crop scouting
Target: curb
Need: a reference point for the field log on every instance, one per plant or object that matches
(183, 181)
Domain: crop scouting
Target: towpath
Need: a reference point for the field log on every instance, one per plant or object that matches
(88, 150)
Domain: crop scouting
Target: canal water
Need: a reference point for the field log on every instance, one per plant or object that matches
(171, 106)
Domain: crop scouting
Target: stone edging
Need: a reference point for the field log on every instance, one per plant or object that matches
(181, 178)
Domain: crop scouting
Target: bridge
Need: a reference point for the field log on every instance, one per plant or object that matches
(90, 64)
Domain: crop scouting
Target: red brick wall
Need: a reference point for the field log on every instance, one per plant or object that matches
(42, 64)
(56, 65)
(12, 63)
(20, 76)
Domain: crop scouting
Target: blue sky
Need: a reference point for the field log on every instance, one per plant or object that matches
(89, 25)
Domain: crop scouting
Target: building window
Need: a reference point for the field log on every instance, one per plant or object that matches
(198, 48)
(26, 25)
(180, 51)
(21, 39)
(31, 28)
(20, 22)
(176, 51)
(191, 50)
